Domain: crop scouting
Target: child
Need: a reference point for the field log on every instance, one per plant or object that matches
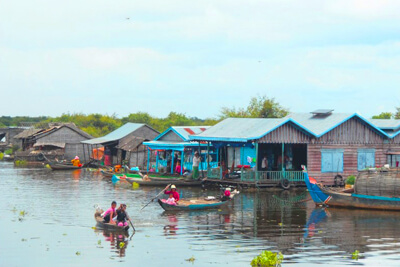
(171, 200)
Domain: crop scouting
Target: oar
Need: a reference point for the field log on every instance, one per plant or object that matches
(132, 225)
(156, 196)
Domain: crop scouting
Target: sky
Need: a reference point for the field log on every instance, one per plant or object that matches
(194, 57)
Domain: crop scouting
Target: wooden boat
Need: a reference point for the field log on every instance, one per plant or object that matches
(165, 182)
(56, 166)
(194, 204)
(325, 196)
(108, 226)
(123, 176)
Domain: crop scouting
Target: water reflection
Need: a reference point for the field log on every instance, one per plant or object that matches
(118, 241)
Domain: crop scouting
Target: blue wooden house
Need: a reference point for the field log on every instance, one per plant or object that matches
(174, 145)
(330, 144)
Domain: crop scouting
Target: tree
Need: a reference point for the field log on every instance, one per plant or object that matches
(397, 115)
(383, 116)
(259, 107)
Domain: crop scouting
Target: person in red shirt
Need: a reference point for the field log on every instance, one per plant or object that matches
(173, 192)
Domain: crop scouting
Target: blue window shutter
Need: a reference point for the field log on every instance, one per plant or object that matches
(366, 158)
(332, 160)
(337, 162)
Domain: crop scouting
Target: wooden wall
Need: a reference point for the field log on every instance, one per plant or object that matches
(350, 160)
(144, 132)
(171, 136)
(62, 135)
(286, 133)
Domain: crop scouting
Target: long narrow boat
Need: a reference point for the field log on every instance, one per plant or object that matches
(325, 196)
(108, 226)
(177, 182)
(56, 166)
(194, 204)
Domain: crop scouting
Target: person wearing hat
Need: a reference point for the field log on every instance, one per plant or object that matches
(227, 194)
(76, 162)
(173, 192)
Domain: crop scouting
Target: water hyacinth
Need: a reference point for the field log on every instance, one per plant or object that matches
(267, 259)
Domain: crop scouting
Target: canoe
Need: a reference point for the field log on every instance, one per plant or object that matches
(55, 166)
(194, 204)
(325, 196)
(108, 174)
(123, 176)
(107, 226)
(165, 182)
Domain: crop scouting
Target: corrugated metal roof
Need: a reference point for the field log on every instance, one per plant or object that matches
(131, 144)
(57, 144)
(239, 129)
(118, 134)
(319, 125)
(27, 133)
(243, 130)
(386, 124)
(184, 131)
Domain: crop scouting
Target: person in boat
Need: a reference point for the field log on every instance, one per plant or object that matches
(227, 194)
(76, 162)
(173, 191)
(110, 213)
(122, 216)
(170, 200)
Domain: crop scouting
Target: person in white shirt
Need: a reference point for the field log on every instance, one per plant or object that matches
(196, 163)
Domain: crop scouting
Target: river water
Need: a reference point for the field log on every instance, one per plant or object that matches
(47, 220)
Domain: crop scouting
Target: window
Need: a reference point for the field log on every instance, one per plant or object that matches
(366, 158)
(331, 160)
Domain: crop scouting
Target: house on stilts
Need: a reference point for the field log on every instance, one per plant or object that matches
(268, 152)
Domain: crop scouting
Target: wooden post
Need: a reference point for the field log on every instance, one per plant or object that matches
(172, 161)
(256, 176)
(157, 162)
(148, 160)
(182, 155)
(208, 157)
(283, 157)
(84, 154)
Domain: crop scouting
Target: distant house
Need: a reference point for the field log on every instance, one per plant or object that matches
(174, 145)
(329, 144)
(7, 136)
(123, 144)
(59, 140)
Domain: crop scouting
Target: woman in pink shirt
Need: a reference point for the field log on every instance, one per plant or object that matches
(173, 191)
(110, 213)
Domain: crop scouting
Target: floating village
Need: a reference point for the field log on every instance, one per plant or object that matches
(341, 160)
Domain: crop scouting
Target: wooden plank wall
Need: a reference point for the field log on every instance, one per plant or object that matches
(286, 133)
(350, 160)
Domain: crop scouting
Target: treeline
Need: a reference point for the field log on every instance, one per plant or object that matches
(99, 124)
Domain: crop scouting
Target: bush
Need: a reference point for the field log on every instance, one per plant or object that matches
(350, 180)
(267, 259)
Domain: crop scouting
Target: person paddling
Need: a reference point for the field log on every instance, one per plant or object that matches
(110, 213)
(173, 191)
(122, 216)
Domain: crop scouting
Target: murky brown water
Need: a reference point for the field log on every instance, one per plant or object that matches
(56, 229)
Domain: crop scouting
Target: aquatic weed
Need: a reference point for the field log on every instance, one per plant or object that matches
(191, 259)
(77, 253)
(267, 259)
(355, 255)
(121, 244)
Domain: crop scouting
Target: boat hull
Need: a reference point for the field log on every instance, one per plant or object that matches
(216, 205)
(107, 226)
(164, 183)
(324, 196)
(62, 167)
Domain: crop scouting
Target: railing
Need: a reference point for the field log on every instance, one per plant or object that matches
(260, 176)
(214, 173)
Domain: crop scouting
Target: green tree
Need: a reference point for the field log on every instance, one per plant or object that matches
(397, 114)
(383, 115)
(259, 107)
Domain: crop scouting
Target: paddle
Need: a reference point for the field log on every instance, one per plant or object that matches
(156, 196)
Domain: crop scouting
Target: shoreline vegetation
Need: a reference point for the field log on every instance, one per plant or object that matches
(98, 125)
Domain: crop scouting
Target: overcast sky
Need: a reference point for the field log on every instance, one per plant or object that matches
(194, 57)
